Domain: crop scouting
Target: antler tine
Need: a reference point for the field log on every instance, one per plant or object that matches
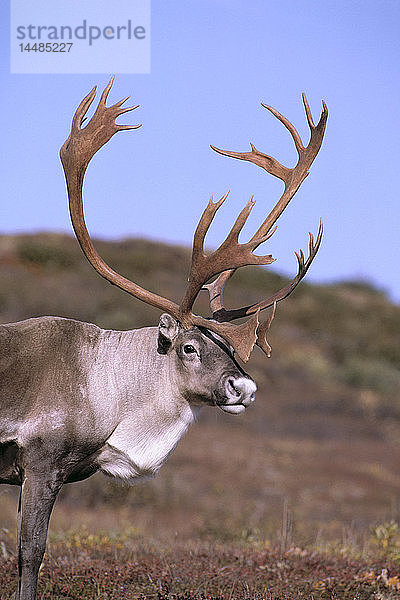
(268, 163)
(289, 126)
(205, 222)
(308, 111)
(82, 109)
(106, 91)
(215, 290)
(262, 332)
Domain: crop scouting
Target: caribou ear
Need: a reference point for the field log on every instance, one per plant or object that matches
(168, 329)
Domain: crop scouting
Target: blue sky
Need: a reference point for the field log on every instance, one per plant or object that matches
(213, 62)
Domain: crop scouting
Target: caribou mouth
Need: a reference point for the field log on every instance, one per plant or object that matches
(223, 403)
(233, 409)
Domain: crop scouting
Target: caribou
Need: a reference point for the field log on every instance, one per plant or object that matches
(76, 399)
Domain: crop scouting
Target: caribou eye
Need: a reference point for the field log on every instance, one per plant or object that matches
(189, 349)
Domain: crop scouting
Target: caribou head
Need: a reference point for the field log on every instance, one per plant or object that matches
(205, 368)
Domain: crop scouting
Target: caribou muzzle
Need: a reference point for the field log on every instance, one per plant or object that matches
(236, 393)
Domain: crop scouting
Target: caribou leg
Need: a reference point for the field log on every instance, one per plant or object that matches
(37, 497)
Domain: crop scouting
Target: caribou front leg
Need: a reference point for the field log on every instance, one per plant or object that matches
(38, 494)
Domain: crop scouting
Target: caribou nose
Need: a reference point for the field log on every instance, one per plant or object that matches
(240, 390)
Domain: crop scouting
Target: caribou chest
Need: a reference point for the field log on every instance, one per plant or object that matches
(141, 443)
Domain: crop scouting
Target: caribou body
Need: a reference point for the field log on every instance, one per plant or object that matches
(76, 399)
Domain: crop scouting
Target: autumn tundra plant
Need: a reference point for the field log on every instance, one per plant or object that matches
(76, 399)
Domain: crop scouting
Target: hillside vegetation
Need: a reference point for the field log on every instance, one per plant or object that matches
(348, 332)
(312, 467)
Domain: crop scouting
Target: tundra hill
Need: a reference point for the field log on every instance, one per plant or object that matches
(316, 456)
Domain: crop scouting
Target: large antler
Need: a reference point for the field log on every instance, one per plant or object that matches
(292, 178)
(76, 153)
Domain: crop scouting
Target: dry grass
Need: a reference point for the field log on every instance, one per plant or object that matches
(86, 566)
